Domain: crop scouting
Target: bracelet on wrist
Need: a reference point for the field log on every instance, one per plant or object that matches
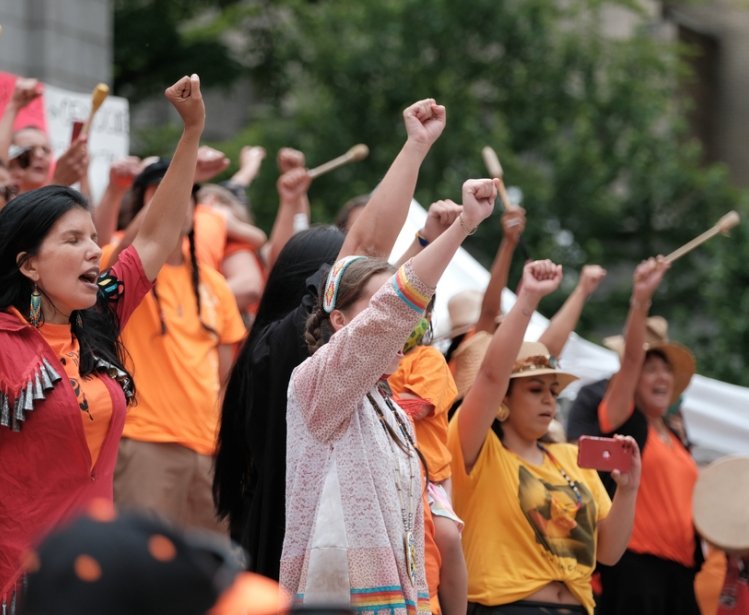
(423, 241)
(466, 229)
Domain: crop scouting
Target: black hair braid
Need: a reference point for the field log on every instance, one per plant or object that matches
(162, 320)
(196, 280)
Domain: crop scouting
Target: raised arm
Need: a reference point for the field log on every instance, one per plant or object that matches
(563, 323)
(368, 344)
(161, 227)
(121, 176)
(292, 194)
(24, 91)
(620, 395)
(513, 225)
(490, 387)
(440, 216)
(375, 230)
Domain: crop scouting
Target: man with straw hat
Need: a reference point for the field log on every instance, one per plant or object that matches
(655, 576)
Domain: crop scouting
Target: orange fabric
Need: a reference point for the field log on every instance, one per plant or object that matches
(663, 517)
(176, 374)
(709, 581)
(424, 373)
(603, 416)
(252, 594)
(210, 236)
(432, 557)
(92, 394)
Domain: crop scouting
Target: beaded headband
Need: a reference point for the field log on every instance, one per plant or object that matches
(333, 283)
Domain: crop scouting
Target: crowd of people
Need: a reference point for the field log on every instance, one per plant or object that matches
(167, 368)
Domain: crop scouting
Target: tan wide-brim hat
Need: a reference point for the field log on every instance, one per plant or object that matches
(679, 357)
(467, 359)
(464, 309)
(534, 359)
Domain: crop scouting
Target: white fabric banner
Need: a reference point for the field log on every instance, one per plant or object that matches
(717, 413)
(109, 137)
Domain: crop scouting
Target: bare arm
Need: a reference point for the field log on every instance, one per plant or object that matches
(244, 277)
(24, 91)
(243, 231)
(490, 387)
(614, 531)
(225, 361)
(292, 191)
(563, 323)
(121, 175)
(250, 158)
(375, 230)
(440, 216)
(159, 234)
(513, 225)
(621, 391)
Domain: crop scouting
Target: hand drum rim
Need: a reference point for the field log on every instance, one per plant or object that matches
(720, 504)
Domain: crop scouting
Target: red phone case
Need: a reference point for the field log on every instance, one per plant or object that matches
(77, 127)
(604, 454)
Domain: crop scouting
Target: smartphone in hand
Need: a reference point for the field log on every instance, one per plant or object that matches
(76, 130)
(604, 454)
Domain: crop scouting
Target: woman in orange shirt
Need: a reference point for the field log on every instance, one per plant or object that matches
(656, 574)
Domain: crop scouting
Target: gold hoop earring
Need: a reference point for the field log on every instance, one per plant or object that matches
(503, 413)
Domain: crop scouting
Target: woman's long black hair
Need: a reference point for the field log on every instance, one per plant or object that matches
(300, 258)
(24, 224)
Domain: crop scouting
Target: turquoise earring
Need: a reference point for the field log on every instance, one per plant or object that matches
(35, 307)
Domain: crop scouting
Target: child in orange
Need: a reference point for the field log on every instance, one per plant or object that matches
(424, 387)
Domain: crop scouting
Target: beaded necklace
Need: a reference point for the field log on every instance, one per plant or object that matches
(570, 482)
(407, 509)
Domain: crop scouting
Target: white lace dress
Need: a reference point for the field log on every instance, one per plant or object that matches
(352, 496)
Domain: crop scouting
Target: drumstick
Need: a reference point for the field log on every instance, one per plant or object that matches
(495, 170)
(356, 153)
(723, 225)
(101, 91)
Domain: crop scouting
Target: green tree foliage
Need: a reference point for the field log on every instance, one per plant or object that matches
(588, 125)
(153, 43)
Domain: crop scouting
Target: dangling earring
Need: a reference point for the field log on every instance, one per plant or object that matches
(35, 307)
(503, 413)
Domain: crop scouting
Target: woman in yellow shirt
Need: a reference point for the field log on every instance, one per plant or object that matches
(535, 523)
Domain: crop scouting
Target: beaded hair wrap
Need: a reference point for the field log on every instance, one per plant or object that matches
(333, 283)
(109, 286)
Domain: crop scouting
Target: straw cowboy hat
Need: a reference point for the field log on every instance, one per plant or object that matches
(467, 359)
(679, 357)
(464, 309)
(533, 360)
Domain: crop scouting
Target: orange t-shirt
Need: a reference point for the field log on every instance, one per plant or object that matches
(663, 517)
(210, 236)
(424, 373)
(92, 394)
(177, 374)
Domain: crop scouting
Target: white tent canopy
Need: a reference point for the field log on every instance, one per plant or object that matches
(717, 413)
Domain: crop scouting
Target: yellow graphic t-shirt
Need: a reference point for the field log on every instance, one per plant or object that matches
(523, 526)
